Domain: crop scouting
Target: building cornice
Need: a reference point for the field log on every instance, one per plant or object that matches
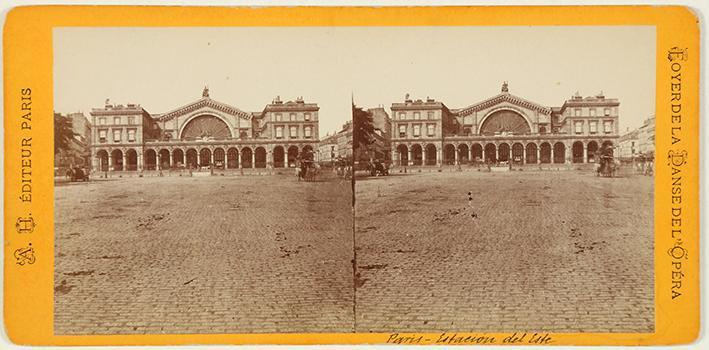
(504, 97)
(117, 111)
(417, 105)
(589, 103)
(292, 107)
(205, 102)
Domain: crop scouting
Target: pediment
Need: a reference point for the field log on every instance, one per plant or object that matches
(501, 99)
(205, 103)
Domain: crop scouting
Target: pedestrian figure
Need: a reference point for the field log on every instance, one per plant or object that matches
(470, 204)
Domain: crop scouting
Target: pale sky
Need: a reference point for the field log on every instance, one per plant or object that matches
(164, 68)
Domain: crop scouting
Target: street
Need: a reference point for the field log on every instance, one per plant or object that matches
(561, 251)
(214, 254)
(554, 251)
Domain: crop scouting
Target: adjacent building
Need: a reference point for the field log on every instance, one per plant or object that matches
(378, 146)
(381, 148)
(328, 149)
(203, 133)
(79, 151)
(344, 141)
(503, 128)
(638, 144)
(646, 138)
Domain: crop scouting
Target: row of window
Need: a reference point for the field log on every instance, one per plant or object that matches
(116, 120)
(430, 115)
(542, 130)
(416, 129)
(591, 112)
(293, 132)
(294, 117)
(117, 135)
(593, 127)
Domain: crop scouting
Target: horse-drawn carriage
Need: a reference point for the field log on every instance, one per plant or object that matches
(607, 164)
(377, 168)
(77, 174)
(606, 167)
(307, 170)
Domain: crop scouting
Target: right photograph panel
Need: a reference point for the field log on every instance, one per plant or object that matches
(504, 180)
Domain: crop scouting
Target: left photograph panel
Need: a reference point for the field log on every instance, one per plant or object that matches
(200, 182)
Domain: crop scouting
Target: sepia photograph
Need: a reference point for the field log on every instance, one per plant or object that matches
(312, 180)
(504, 180)
(201, 182)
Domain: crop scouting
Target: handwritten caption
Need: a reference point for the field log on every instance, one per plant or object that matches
(482, 339)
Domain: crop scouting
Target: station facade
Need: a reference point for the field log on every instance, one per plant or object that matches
(501, 129)
(203, 134)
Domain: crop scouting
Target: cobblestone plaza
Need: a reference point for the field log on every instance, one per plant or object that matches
(219, 254)
(558, 251)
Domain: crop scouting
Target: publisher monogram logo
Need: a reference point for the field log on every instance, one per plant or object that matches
(676, 53)
(677, 158)
(25, 225)
(25, 255)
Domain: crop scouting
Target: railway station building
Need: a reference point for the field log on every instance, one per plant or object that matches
(501, 129)
(203, 134)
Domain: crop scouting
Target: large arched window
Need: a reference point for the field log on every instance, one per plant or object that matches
(505, 122)
(206, 126)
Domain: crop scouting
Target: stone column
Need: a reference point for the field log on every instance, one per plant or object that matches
(423, 156)
(410, 161)
(253, 158)
(238, 159)
(585, 154)
(139, 163)
(199, 159)
(110, 161)
(524, 154)
(470, 154)
(169, 156)
(211, 157)
(484, 153)
(539, 154)
(184, 158)
(439, 155)
(269, 158)
(125, 161)
(456, 157)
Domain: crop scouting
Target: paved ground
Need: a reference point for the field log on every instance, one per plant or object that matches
(539, 251)
(203, 255)
(560, 251)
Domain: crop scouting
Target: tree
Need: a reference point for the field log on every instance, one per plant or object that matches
(63, 133)
(362, 130)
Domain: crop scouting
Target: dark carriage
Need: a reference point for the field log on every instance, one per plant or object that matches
(78, 174)
(308, 170)
(607, 164)
(606, 167)
(378, 168)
